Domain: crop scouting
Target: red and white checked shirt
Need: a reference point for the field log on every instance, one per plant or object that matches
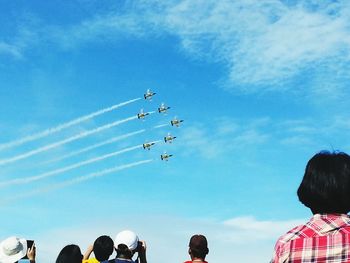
(325, 238)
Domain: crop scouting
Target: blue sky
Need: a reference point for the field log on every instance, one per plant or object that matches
(261, 85)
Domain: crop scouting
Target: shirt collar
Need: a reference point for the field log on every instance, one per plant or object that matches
(323, 223)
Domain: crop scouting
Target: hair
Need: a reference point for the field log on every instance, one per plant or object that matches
(198, 246)
(123, 250)
(325, 187)
(199, 253)
(103, 248)
(70, 254)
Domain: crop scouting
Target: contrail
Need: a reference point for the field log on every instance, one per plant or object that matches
(104, 172)
(64, 169)
(160, 126)
(65, 141)
(97, 145)
(63, 126)
(77, 180)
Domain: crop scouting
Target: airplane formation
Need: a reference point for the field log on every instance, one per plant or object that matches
(163, 108)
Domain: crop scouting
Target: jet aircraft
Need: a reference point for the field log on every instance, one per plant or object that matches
(175, 122)
(165, 156)
(163, 108)
(142, 114)
(169, 138)
(147, 145)
(148, 95)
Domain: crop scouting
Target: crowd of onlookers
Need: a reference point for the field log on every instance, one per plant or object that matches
(325, 238)
(128, 247)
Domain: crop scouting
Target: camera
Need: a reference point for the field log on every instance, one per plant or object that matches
(29, 245)
(139, 247)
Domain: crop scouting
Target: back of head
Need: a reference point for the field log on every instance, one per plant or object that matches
(103, 248)
(198, 246)
(126, 242)
(70, 254)
(123, 251)
(325, 187)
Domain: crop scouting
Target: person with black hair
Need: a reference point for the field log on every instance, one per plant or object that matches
(127, 244)
(102, 248)
(325, 189)
(70, 254)
(198, 249)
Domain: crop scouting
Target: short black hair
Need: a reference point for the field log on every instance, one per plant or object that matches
(199, 246)
(71, 254)
(325, 187)
(103, 248)
(123, 250)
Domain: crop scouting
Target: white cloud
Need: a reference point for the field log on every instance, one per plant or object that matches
(232, 239)
(265, 45)
(229, 136)
(222, 136)
(248, 226)
(11, 50)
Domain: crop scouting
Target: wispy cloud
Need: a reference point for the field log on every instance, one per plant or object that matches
(11, 50)
(248, 226)
(265, 45)
(223, 136)
(229, 136)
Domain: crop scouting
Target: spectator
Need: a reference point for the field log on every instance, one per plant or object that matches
(102, 248)
(127, 244)
(325, 189)
(70, 254)
(198, 249)
(13, 249)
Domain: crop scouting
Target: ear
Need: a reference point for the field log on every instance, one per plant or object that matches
(207, 251)
(189, 251)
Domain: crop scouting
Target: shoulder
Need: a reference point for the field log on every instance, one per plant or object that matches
(296, 234)
(301, 231)
(90, 260)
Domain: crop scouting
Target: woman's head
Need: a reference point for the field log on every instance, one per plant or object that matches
(325, 187)
(70, 254)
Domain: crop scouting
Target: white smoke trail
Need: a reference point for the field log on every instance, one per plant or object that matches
(104, 172)
(63, 126)
(160, 126)
(65, 141)
(65, 169)
(97, 145)
(76, 180)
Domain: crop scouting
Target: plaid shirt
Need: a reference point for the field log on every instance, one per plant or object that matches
(325, 238)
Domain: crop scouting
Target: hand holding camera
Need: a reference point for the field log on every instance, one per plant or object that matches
(141, 247)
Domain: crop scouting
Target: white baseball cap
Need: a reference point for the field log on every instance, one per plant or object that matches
(12, 249)
(128, 238)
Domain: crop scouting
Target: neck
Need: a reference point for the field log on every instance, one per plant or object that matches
(122, 256)
(198, 260)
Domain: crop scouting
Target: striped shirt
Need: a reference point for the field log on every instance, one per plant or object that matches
(325, 238)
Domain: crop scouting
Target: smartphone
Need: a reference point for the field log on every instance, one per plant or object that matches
(29, 245)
